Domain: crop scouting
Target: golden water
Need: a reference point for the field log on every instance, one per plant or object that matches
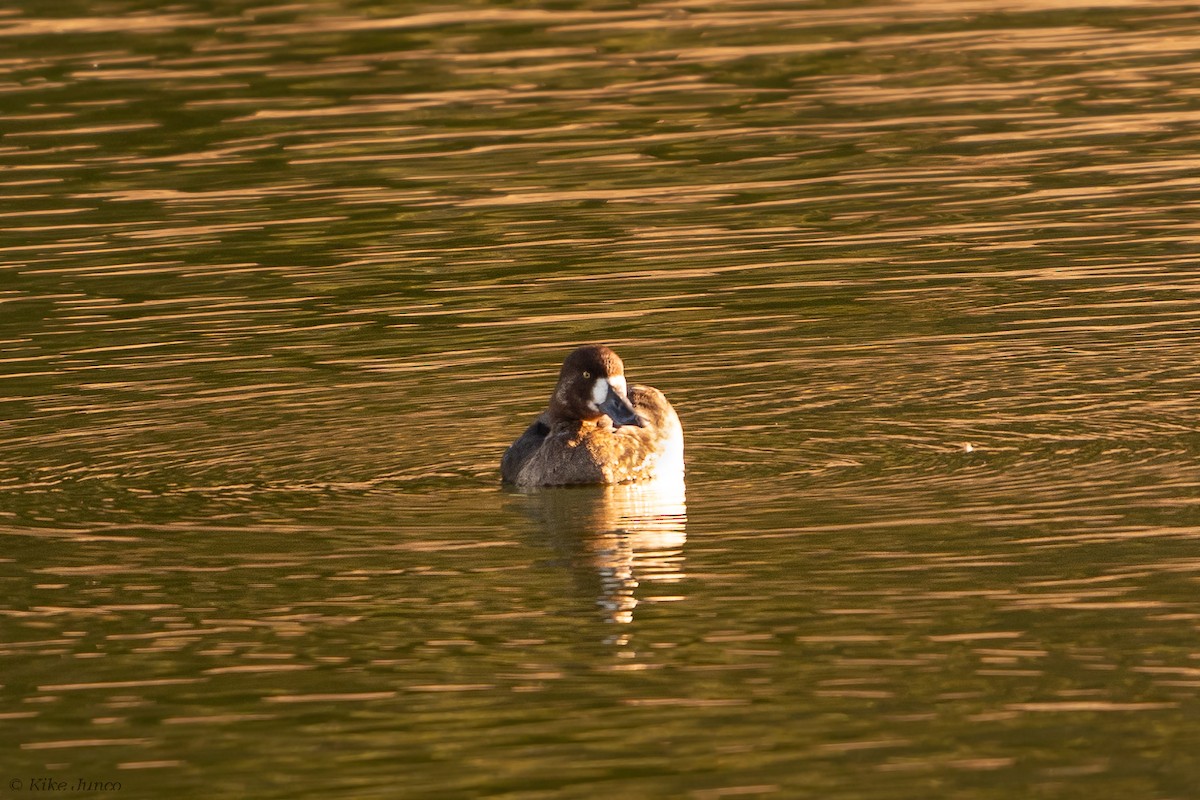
(279, 283)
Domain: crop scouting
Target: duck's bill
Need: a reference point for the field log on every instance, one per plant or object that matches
(619, 409)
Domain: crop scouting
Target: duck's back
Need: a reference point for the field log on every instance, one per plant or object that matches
(561, 453)
(522, 450)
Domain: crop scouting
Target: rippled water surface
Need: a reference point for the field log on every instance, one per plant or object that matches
(279, 283)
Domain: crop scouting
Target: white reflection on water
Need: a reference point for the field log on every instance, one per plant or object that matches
(616, 537)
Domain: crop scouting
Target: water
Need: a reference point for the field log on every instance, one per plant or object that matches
(279, 283)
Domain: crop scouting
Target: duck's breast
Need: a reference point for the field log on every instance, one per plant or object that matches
(563, 456)
(565, 453)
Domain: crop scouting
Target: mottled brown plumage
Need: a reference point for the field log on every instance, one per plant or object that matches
(595, 432)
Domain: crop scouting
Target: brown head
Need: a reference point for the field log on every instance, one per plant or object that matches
(591, 385)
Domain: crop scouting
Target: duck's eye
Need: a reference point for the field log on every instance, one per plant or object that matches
(586, 374)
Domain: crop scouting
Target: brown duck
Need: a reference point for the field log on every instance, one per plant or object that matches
(597, 430)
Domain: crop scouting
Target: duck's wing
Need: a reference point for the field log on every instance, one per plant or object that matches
(522, 450)
(655, 450)
(652, 406)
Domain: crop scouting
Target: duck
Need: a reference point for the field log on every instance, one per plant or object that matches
(597, 429)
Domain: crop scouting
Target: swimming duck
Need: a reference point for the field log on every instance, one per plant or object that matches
(597, 430)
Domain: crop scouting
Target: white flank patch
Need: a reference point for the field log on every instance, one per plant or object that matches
(599, 392)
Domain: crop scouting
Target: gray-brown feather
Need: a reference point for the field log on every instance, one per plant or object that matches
(585, 451)
(519, 452)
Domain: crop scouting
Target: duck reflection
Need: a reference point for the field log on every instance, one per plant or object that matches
(615, 537)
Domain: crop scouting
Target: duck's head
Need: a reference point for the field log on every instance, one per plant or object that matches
(591, 385)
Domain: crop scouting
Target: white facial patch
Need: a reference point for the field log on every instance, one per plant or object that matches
(618, 383)
(599, 392)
